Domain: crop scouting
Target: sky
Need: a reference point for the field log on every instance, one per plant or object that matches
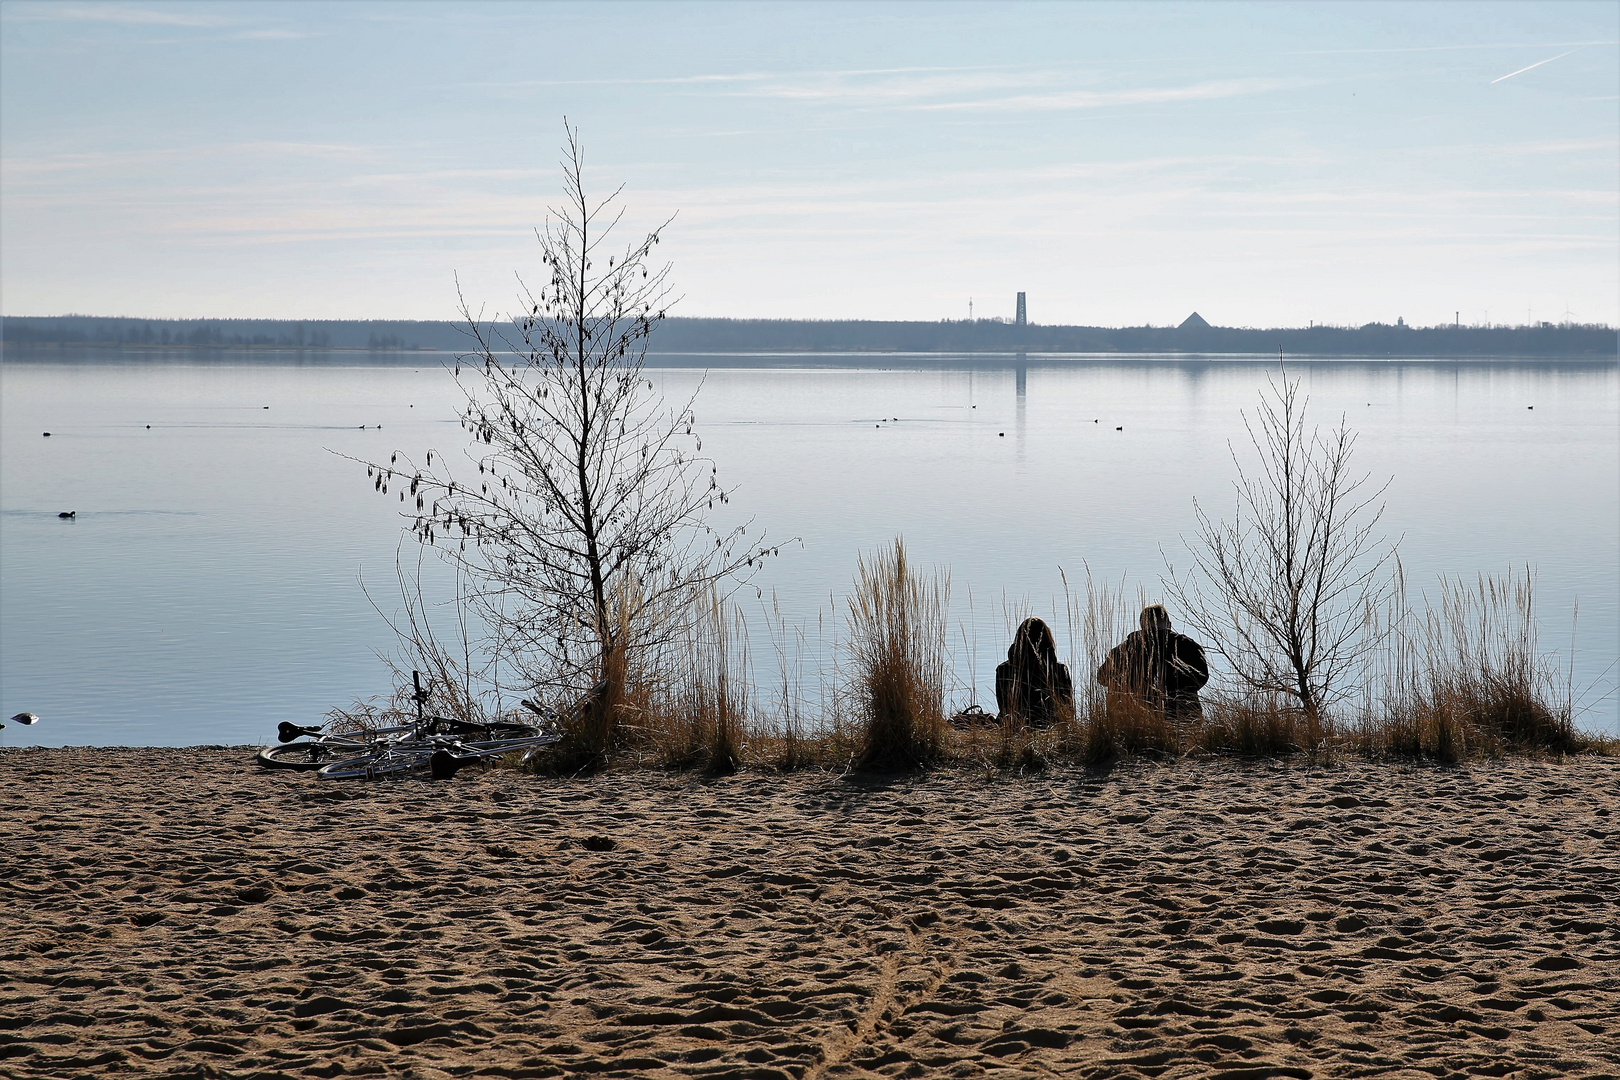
(1123, 164)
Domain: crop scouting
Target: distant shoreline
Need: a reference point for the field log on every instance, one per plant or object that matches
(718, 337)
(24, 352)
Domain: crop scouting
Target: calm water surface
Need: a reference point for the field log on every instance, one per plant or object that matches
(210, 584)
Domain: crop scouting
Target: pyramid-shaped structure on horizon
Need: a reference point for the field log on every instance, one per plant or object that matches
(1194, 321)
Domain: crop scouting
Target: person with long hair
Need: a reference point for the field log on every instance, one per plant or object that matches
(1031, 685)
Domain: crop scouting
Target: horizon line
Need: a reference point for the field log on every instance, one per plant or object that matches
(1536, 324)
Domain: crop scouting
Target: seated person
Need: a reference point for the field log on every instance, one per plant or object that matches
(1031, 685)
(1159, 669)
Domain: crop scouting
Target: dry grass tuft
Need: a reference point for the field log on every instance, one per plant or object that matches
(1467, 679)
(898, 660)
(703, 724)
(1000, 744)
(1258, 725)
(1124, 727)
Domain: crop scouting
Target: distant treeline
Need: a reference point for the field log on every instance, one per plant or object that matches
(788, 335)
(372, 334)
(985, 335)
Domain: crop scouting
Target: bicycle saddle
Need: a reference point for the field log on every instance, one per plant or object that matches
(286, 732)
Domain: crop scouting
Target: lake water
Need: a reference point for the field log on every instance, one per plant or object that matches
(209, 586)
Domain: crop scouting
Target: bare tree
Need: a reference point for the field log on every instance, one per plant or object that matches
(583, 530)
(1287, 589)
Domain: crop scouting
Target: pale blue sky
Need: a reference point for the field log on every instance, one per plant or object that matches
(1122, 163)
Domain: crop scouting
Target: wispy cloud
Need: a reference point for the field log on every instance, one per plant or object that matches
(1556, 146)
(720, 77)
(101, 163)
(1098, 99)
(126, 14)
(131, 15)
(941, 88)
(900, 86)
(854, 86)
(273, 35)
(1469, 47)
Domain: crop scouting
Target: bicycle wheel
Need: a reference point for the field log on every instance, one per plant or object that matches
(295, 755)
(391, 762)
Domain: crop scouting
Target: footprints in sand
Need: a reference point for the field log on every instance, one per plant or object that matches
(1199, 920)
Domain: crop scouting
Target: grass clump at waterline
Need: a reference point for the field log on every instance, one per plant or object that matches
(898, 660)
(1466, 679)
(701, 725)
(681, 702)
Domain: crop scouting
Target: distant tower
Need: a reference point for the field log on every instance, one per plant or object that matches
(1021, 320)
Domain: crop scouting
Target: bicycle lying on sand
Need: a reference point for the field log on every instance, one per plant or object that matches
(431, 745)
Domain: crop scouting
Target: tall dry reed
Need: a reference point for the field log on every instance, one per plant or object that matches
(702, 722)
(897, 659)
(786, 739)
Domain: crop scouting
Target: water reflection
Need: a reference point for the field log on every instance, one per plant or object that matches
(1021, 380)
(208, 587)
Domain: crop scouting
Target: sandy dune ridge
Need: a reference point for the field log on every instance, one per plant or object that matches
(182, 912)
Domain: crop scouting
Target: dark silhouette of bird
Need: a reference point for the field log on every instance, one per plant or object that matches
(47, 434)
(1119, 429)
(68, 514)
(27, 719)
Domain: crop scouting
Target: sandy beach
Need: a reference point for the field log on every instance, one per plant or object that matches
(183, 912)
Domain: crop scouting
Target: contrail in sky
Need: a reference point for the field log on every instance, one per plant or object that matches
(1537, 64)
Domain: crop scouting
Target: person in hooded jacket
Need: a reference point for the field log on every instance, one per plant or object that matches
(1157, 667)
(1031, 684)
